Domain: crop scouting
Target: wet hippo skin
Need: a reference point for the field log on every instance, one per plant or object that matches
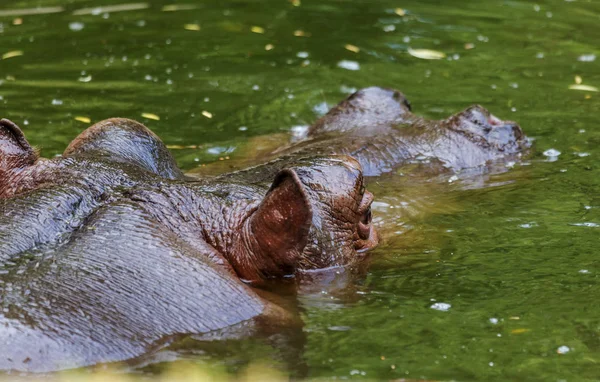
(109, 251)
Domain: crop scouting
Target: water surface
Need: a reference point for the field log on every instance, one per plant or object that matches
(482, 278)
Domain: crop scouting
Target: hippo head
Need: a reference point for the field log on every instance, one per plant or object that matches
(316, 215)
(482, 127)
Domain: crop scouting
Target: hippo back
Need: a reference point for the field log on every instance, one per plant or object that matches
(119, 287)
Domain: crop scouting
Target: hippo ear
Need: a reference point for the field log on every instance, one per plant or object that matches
(15, 151)
(277, 231)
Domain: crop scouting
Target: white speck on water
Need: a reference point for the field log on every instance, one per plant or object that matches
(583, 154)
(26, 122)
(588, 207)
(256, 87)
(406, 39)
(300, 131)
(242, 128)
(57, 102)
(581, 131)
(148, 77)
(347, 89)
(584, 271)
(85, 78)
(539, 55)
(379, 206)
(441, 306)
(302, 54)
(349, 65)
(339, 328)
(76, 26)
(536, 8)
(587, 58)
(586, 224)
(491, 364)
(494, 320)
(514, 85)
(552, 153)
(141, 23)
(321, 109)
(563, 349)
(513, 109)
(549, 15)
(389, 28)
(494, 86)
(527, 225)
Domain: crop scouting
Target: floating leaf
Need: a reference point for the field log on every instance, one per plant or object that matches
(578, 80)
(587, 88)
(13, 53)
(469, 46)
(352, 48)
(178, 7)
(207, 114)
(111, 9)
(519, 331)
(400, 12)
(300, 33)
(256, 29)
(426, 54)
(83, 119)
(269, 47)
(18, 21)
(191, 27)
(151, 116)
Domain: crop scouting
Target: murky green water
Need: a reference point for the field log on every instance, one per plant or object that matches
(510, 261)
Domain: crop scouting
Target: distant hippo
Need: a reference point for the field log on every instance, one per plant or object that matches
(109, 251)
(377, 128)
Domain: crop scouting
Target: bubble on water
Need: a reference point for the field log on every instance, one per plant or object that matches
(242, 128)
(441, 306)
(255, 87)
(552, 153)
(494, 320)
(563, 349)
(514, 85)
(302, 54)
(491, 364)
(76, 26)
(57, 102)
(389, 28)
(540, 55)
(349, 65)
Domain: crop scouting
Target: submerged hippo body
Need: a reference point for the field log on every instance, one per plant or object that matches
(108, 251)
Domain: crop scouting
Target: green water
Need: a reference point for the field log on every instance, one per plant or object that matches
(513, 255)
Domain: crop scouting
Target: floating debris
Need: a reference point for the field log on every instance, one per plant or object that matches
(83, 119)
(151, 116)
(30, 11)
(552, 153)
(178, 7)
(85, 78)
(296, 3)
(181, 147)
(349, 65)
(400, 12)
(578, 80)
(256, 29)
(76, 26)
(191, 27)
(469, 46)
(111, 9)
(587, 88)
(18, 21)
(352, 48)
(302, 54)
(269, 47)
(563, 349)
(57, 102)
(519, 331)
(441, 306)
(426, 54)
(587, 58)
(300, 33)
(12, 53)
(207, 114)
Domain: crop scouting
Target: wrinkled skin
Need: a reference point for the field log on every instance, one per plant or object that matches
(108, 252)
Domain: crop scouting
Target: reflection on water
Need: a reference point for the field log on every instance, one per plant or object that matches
(481, 276)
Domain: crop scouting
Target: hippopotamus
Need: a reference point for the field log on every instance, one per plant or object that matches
(377, 127)
(109, 252)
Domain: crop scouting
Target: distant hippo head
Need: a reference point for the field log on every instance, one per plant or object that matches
(481, 126)
(317, 214)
